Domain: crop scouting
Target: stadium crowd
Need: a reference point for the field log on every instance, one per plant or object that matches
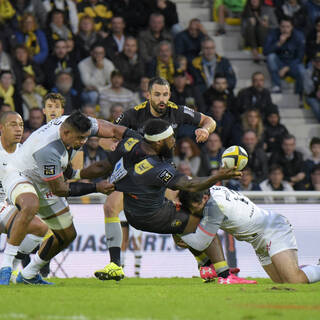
(99, 55)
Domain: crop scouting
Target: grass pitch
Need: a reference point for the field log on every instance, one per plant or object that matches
(153, 299)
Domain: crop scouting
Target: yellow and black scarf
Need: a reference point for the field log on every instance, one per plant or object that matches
(165, 71)
(8, 96)
(32, 44)
(7, 11)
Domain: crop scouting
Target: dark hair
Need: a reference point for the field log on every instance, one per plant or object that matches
(155, 126)
(315, 168)
(289, 136)
(116, 73)
(54, 96)
(157, 80)
(275, 167)
(219, 76)
(5, 115)
(256, 74)
(195, 149)
(287, 18)
(314, 140)
(79, 121)
(97, 44)
(187, 198)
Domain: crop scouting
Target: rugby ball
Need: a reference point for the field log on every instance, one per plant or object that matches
(234, 156)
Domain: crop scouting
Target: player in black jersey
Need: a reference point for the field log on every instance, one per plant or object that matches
(157, 107)
(141, 171)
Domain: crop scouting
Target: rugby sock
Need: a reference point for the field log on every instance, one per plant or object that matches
(137, 262)
(222, 269)
(8, 255)
(114, 238)
(123, 258)
(29, 243)
(32, 269)
(312, 273)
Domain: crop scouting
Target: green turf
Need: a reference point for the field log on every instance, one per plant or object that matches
(175, 298)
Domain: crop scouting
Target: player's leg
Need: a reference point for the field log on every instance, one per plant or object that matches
(125, 241)
(112, 207)
(137, 243)
(272, 273)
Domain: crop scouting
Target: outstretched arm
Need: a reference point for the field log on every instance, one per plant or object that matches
(195, 184)
(109, 130)
(207, 125)
(96, 170)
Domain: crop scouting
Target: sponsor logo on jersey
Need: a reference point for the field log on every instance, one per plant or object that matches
(49, 170)
(130, 143)
(188, 111)
(176, 223)
(142, 166)
(119, 118)
(165, 176)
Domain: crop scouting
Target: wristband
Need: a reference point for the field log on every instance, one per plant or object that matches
(79, 189)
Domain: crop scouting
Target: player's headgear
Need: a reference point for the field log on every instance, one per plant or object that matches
(157, 129)
(79, 121)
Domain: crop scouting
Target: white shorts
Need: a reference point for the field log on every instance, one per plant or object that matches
(6, 211)
(277, 237)
(49, 204)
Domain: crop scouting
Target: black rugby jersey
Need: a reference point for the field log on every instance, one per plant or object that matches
(142, 178)
(136, 117)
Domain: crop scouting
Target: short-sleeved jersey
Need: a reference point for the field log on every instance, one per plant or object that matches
(142, 178)
(234, 213)
(5, 157)
(43, 157)
(136, 117)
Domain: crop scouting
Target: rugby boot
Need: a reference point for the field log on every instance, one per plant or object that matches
(5, 275)
(110, 272)
(35, 280)
(233, 279)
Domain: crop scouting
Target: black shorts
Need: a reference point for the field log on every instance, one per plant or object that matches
(169, 219)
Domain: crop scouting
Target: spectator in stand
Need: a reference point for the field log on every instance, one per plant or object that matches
(313, 41)
(275, 182)
(30, 98)
(151, 37)
(169, 10)
(297, 11)
(227, 8)
(314, 183)
(163, 65)
(100, 12)
(116, 111)
(185, 168)
(36, 119)
(116, 93)
(284, 49)
(291, 161)
(214, 150)
(256, 96)
(205, 66)
(114, 42)
(227, 126)
(59, 61)
(8, 92)
(313, 7)
(86, 37)
(311, 84)
(8, 19)
(182, 65)
(64, 86)
(245, 183)
(187, 150)
(258, 160)
(4, 107)
(58, 28)
(219, 90)
(257, 20)
(274, 131)
(95, 73)
(251, 120)
(22, 64)
(35, 7)
(89, 110)
(143, 93)
(134, 13)
(188, 41)
(129, 63)
(314, 159)
(68, 7)
(5, 61)
(33, 38)
(184, 94)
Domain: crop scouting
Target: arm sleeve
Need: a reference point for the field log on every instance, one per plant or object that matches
(49, 163)
(189, 116)
(125, 118)
(94, 126)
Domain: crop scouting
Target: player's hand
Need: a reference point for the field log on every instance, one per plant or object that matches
(105, 187)
(201, 135)
(229, 173)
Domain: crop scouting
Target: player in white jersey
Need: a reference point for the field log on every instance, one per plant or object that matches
(34, 182)
(269, 233)
(11, 127)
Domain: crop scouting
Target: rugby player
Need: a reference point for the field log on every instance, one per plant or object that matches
(140, 169)
(157, 107)
(34, 182)
(269, 233)
(11, 127)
